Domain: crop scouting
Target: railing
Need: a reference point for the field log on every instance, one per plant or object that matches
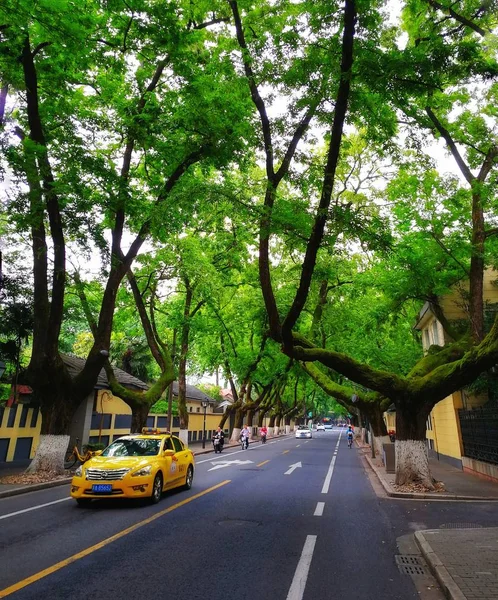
(479, 428)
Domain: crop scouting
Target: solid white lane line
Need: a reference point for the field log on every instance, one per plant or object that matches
(25, 510)
(328, 478)
(296, 590)
(319, 509)
(326, 483)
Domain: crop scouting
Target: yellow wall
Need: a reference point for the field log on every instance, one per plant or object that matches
(455, 306)
(390, 420)
(21, 428)
(112, 405)
(17, 434)
(445, 426)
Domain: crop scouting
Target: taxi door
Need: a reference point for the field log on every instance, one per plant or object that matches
(182, 461)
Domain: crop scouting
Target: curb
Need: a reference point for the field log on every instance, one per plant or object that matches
(421, 496)
(33, 487)
(445, 580)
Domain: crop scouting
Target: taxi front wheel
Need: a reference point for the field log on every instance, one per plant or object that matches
(157, 489)
(189, 477)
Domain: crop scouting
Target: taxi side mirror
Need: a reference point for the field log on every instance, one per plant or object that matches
(169, 453)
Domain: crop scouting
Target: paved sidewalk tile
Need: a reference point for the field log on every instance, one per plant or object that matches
(465, 561)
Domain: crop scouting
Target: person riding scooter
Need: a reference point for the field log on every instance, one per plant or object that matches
(218, 440)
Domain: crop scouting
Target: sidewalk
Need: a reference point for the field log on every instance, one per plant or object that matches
(458, 484)
(464, 561)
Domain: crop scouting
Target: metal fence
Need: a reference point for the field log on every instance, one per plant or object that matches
(479, 428)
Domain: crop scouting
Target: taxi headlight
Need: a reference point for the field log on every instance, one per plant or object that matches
(142, 472)
(78, 471)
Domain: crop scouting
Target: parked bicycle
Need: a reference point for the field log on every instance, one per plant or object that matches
(73, 456)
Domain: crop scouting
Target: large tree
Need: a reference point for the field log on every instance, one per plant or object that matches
(376, 82)
(109, 118)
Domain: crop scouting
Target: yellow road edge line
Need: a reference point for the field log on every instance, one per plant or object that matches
(263, 463)
(67, 561)
(285, 451)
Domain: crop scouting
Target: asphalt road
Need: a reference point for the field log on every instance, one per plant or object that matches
(254, 525)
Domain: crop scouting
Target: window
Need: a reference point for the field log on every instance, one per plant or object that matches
(190, 408)
(198, 409)
(177, 444)
(168, 444)
(435, 333)
(427, 339)
(133, 447)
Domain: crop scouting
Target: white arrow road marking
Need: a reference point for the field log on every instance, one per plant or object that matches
(227, 463)
(293, 468)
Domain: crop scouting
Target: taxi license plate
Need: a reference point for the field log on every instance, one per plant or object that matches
(101, 488)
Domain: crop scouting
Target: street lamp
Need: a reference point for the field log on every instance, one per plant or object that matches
(205, 404)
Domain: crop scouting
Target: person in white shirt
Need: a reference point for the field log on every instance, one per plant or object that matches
(244, 436)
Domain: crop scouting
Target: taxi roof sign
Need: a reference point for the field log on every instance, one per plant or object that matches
(153, 431)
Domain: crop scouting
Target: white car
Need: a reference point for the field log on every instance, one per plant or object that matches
(320, 427)
(303, 432)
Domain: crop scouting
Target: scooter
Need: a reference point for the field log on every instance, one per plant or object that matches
(263, 438)
(244, 442)
(218, 445)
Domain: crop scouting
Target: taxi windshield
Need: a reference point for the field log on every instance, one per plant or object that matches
(133, 447)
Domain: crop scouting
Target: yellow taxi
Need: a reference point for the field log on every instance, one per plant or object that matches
(135, 466)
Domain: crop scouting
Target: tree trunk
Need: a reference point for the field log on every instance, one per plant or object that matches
(412, 461)
(237, 426)
(49, 457)
(379, 429)
(139, 414)
(58, 403)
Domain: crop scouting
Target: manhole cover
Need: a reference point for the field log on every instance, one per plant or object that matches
(410, 564)
(238, 523)
(460, 526)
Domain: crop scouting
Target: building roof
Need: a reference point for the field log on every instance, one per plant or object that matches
(193, 393)
(75, 365)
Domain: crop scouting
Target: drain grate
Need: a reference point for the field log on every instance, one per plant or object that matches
(460, 526)
(409, 559)
(411, 564)
(412, 570)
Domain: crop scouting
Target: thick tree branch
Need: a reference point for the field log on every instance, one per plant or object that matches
(458, 17)
(159, 356)
(317, 233)
(255, 95)
(4, 91)
(445, 134)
